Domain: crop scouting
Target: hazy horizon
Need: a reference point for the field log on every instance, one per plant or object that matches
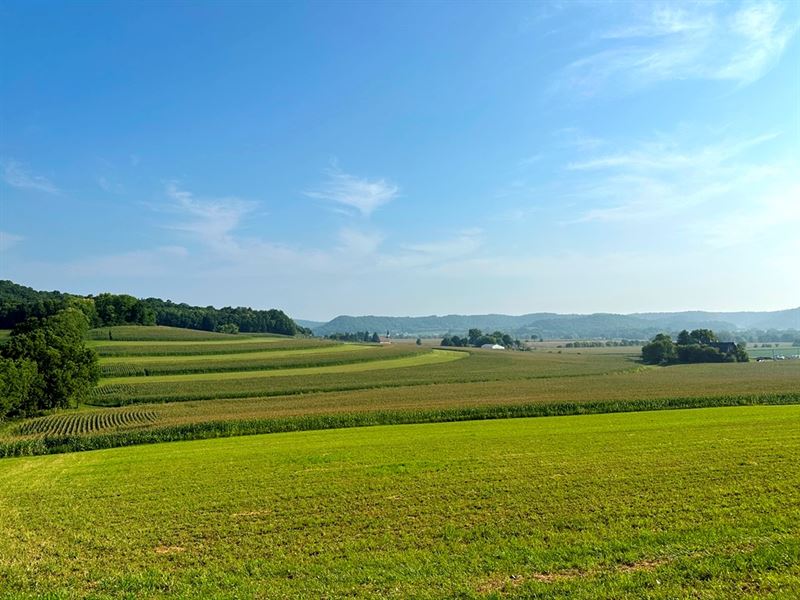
(405, 159)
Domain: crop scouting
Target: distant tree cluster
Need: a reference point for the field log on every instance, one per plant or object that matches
(231, 328)
(18, 303)
(697, 346)
(358, 336)
(476, 338)
(209, 318)
(45, 364)
(605, 344)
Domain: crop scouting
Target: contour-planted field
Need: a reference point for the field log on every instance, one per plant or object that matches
(248, 361)
(247, 385)
(85, 422)
(371, 362)
(675, 504)
(171, 334)
(425, 367)
(237, 345)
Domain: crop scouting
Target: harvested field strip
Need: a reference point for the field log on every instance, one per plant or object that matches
(428, 358)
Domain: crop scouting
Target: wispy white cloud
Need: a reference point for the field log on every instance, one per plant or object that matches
(20, 176)
(661, 178)
(354, 193)
(7, 240)
(426, 254)
(211, 221)
(685, 41)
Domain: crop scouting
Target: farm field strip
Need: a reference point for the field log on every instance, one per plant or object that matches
(144, 360)
(701, 503)
(229, 339)
(114, 349)
(479, 366)
(157, 333)
(428, 358)
(255, 361)
(262, 410)
(86, 422)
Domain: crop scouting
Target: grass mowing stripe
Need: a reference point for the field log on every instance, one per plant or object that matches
(428, 358)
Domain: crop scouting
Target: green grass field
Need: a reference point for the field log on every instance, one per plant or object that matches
(677, 504)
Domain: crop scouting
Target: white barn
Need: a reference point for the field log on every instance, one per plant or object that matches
(493, 347)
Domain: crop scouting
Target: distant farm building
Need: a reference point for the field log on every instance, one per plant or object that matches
(725, 347)
(493, 347)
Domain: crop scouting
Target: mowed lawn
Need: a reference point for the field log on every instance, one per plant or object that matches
(694, 503)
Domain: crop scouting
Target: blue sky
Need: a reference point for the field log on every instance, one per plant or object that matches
(406, 159)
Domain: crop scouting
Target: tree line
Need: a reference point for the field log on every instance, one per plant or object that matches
(697, 346)
(476, 338)
(358, 336)
(19, 303)
(45, 364)
(604, 344)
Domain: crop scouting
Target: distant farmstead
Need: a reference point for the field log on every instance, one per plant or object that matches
(724, 347)
(493, 347)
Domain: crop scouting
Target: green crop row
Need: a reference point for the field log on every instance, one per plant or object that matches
(85, 422)
(478, 367)
(233, 346)
(155, 333)
(309, 358)
(75, 441)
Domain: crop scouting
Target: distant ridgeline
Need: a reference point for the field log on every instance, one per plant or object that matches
(782, 325)
(18, 303)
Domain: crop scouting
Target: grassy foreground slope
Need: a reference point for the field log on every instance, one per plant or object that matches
(702, 503)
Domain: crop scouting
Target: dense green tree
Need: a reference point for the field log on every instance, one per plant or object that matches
(660, 351)
(66, 369)
(697, 346)
(376, 339)
(703, 336)
(18, 379)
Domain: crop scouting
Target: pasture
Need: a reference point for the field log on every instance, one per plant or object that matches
(701, 503)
